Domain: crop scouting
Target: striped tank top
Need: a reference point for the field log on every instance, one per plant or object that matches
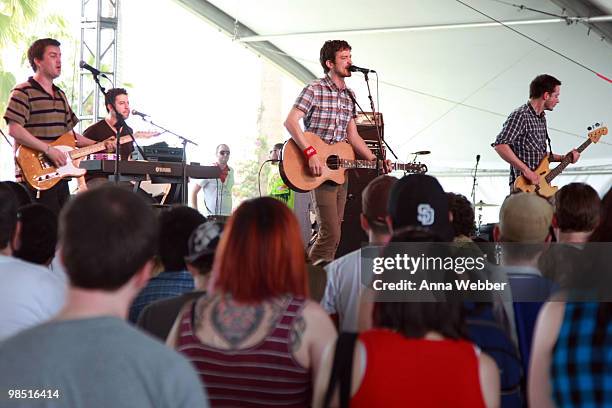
(263, 375)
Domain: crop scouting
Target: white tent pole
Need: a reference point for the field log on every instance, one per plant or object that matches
(567, 20)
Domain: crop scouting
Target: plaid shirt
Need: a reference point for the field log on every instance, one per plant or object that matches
(525, 132)
(328, 109)
(165, 285)
(581, 372)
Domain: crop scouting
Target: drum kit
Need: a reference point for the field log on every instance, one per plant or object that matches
(479, 208)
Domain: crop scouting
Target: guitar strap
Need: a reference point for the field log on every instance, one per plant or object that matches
(548, 140)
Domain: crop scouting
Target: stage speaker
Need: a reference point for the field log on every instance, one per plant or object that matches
(352, 236)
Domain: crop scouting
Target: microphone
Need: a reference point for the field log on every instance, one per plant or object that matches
(91, 69)
(142, 115)
(421, 152)
(477, 158)
(354, 68)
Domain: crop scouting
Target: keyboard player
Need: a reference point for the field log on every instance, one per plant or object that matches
(106, 128)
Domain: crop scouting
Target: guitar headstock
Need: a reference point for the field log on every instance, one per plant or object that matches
(145, 134)
(416, 168)
(596, 132)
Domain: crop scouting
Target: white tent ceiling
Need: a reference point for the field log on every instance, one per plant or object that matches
(447, 90)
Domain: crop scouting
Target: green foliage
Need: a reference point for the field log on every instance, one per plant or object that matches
(247, 171)
(21, 23)
(14, 16)
(7, 81)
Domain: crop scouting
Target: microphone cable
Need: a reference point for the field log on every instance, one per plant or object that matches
(259, 173)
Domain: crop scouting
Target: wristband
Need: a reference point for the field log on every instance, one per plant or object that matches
(309, 152)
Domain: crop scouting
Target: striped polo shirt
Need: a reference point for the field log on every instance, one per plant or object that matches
(45, 116)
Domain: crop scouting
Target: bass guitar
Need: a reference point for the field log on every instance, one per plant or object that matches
(543, 188)
(335, 159)
(41, 174)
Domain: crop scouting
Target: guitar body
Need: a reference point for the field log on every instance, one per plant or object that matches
(543, 188)
(294, 168)
(39, 172)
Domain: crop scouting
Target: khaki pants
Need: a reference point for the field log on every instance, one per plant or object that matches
(329, 200)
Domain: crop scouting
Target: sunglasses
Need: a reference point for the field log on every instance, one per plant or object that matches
(224, 152)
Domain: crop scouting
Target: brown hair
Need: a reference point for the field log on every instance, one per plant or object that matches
(541, 84)
(463, 214)
(329, 50)
(577, 208)
(37, 49)
(115, 220)
(111, 95)
(603, 232)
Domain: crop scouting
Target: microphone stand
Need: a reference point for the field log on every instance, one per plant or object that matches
(474, 184)
(376, 124)
(380, 141)
(184, 142)
(118, 125)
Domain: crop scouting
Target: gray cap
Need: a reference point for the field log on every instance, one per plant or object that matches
(204, 240)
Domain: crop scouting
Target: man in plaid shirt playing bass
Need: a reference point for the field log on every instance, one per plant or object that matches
(523, 141)
(327, 108)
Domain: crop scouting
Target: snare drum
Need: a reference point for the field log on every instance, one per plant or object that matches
(102, 156)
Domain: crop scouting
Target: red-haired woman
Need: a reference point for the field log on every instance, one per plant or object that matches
(256, 340)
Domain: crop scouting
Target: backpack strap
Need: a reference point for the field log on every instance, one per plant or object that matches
(342, 369)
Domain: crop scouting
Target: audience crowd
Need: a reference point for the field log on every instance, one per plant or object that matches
(115, 304)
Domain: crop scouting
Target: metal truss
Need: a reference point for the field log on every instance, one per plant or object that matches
(99, 23)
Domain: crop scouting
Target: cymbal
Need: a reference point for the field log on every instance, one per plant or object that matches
(483, 204)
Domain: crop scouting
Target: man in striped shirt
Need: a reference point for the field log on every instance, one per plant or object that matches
(523, 141)
(38, 113)
(328, 110)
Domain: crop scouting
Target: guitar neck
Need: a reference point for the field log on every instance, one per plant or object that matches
(358, 164)
(94, 148)
(565, 162)
(366, 164)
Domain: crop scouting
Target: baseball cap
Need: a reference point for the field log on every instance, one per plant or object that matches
(375, 197)
(525, 217)
(204, 240)
(418, 200)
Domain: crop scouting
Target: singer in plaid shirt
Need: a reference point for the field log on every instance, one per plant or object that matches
(328, 110)
(523, 140)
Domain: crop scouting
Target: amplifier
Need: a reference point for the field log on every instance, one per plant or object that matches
(163, 154)
(366, 126)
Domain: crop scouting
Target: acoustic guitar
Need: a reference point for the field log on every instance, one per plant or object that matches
(335, 159)
(543, 188)
(41, 174)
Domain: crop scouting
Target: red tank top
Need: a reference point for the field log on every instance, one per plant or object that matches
(402, 372)
(263, 375)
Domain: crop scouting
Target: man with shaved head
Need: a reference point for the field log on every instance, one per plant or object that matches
(217, 192)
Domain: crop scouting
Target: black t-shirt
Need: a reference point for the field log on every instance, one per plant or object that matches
(158, 317)
(102, 130)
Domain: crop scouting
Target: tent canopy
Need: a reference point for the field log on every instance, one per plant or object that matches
(447, 78)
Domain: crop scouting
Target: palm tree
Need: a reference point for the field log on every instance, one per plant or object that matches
(20, 22)
(14, 14)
